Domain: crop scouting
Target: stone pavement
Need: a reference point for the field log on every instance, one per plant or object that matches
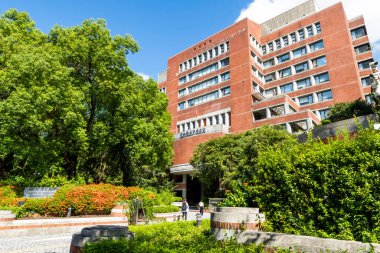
(55, 242)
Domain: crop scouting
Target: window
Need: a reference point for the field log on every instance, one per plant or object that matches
(303, 83)
(293, 37)
(270, 46)
(358, 33)
(278, 44)
(182, 80)
(270, 77)
(264, 49)
(203, 71)
(305, 100)
(366, 81)
(225, 62)
(228, 46)
(301, 67)
(269, 63)
(205, 56)
(362, 48)
(226, 91)
(181, 106)
(285, 40)
(324, 113)
(324, 95)
(364, 64)
(216, 51)
(318, 27)
(200, 58)
(301, 33)
(195, 61)
(368, 99)
(316, 46)
(286, 88)
(225, 76)
(283, 58)
(285, 72)
(320, 61)
(322, 78)
(203, 99)
(271, 92)
(182, 92)
(309, 31)
(203, 85)
(180, 67)
(222, 48)
(299, 52)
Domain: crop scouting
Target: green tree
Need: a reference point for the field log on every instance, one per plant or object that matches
(342, 111)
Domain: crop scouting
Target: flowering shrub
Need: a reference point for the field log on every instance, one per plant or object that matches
(7, 195)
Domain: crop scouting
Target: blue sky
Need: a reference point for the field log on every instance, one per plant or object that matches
(161, 27)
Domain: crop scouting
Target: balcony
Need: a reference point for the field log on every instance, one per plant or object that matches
(220, 128)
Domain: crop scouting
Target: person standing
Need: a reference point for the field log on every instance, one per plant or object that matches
(184, 209)
(201, 207)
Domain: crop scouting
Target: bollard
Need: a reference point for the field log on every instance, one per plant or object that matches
(199, 219)
(68, 212)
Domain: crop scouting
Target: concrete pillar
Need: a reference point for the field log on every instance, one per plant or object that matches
(288, 127)
(225, 47)
(315, 98)
(318, 114)
(278, 90)
(220, 119)
(286, 108)
(297, 101)
(294, 86)
(227, 119)
(268, 113)
(208, 121)
(314, 29)
(312, 81)
(184, 181)
(219, 50)
(309, 123)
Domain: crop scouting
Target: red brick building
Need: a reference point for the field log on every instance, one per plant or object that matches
(286, 71)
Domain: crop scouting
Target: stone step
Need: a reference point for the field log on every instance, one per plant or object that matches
(2, 212)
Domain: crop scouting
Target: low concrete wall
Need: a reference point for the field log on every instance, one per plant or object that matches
(305, 244)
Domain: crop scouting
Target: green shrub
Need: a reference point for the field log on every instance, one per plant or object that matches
(172, 237)
(165, 197)
(40, 206)
(7, 196)
(165, 209)
(342, 111)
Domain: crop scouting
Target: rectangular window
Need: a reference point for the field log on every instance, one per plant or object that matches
(270, 46)
(264, 49)
(226, 91)
(180, 67)
(203, 71)
(283, 58)
(299, 52)
(366, 81)
(362, 48)
(318, 62)
(293, 37)
(225, 76)
(203, 99)
(316, 46)
(305, 100)
(205, 56)
(182, 92)
(269, 63)
(182, 80)
(181, 106)
(309, 31)
(225, 62)
(318, 27)
(364, 64)
(278, 44)
(200, 58)
(285, 40)
(368, 99)
(286, 88)
(216, 51)
(324, 95)
(271, 92)
(322, 78)
(285, 72)
(301, 33)
(203, 85)
(270, 77)
(358, 33)
(324, 113)
(195, 61)
(303, 83)
(228, 46)
(301, 67)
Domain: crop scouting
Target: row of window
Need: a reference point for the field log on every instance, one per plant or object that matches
(288, 39)
(310, 98)
(212, 53)
(315, 46)
(204, 98)
(204, 71)
(295, 69)
(358, 32)
(220, 118)
(205, 84)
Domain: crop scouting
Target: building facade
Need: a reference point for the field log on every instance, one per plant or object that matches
(286, 71)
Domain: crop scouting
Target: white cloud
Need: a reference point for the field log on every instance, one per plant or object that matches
(144, 76)
(262, 10)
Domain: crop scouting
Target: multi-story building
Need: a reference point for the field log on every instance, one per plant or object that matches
(286, 71)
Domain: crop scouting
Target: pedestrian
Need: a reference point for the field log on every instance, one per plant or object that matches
(184, 209)
(201, 207)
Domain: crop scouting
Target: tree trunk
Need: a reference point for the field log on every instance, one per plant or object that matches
(70, 166)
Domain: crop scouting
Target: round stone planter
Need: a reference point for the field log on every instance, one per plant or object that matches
(227, 222)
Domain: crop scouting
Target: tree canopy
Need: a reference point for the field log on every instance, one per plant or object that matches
(69, 104)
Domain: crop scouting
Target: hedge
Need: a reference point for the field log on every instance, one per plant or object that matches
(165, 209)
